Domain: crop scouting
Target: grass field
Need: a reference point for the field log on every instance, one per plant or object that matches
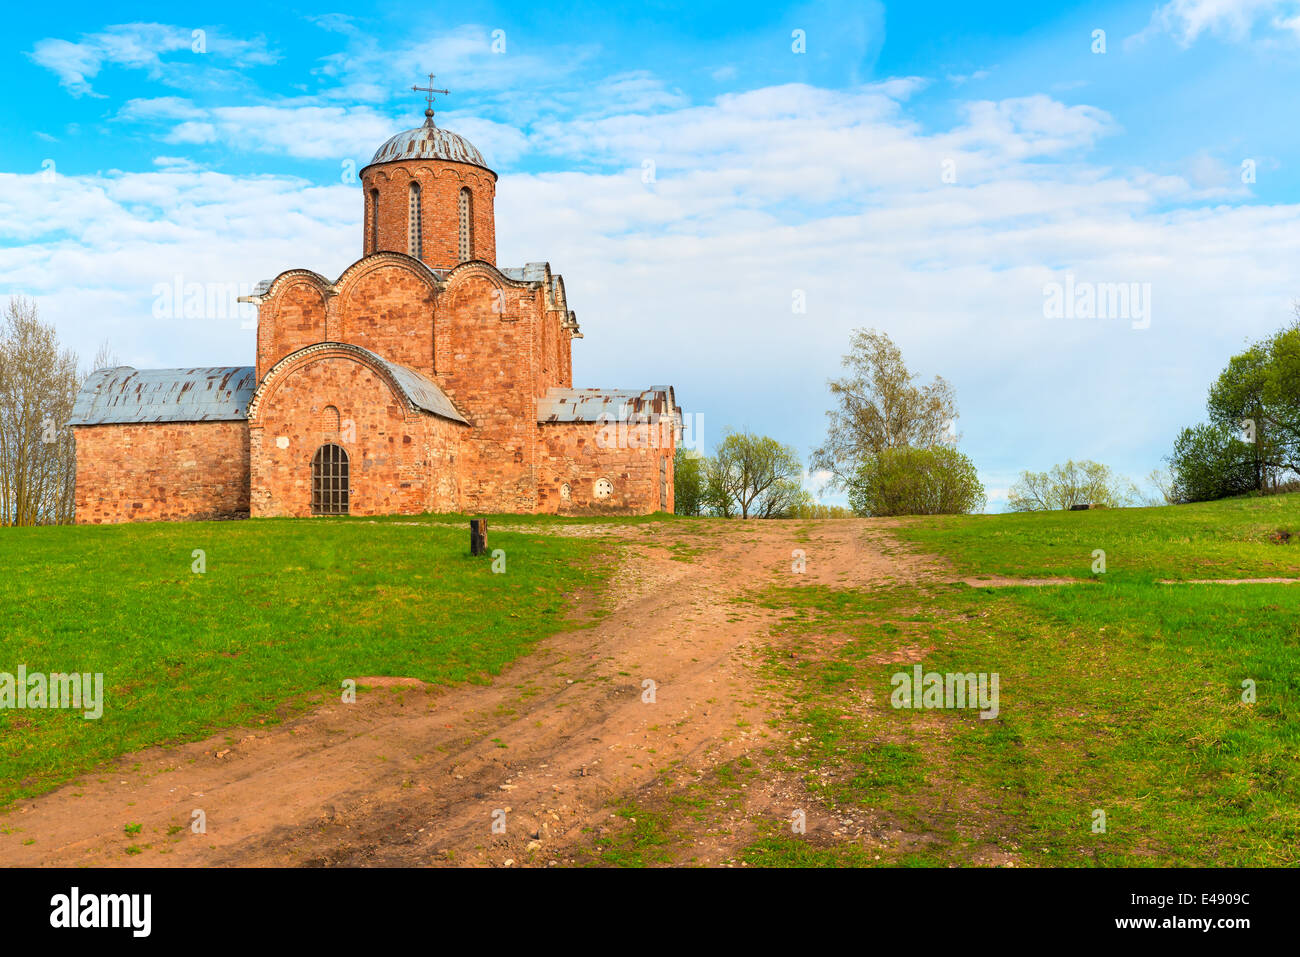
(1124, 696)
(1228, 539)
(282, 615)
(1120, 694)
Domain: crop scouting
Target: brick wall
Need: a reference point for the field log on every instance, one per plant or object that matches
(389, 310)
(493, 344)
(575, 454)
(161, 471)
(295, 318)
(400, 462)
(440, 185)
(488, 365)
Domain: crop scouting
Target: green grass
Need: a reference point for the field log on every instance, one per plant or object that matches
(646, 840)
(1229, 539)
(506, 519)
(1125, 696)
(286, 611)
(662, 824)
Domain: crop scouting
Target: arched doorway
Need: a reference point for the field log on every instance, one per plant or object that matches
(329, 480)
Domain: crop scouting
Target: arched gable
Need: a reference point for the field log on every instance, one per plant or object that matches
(292, 312)
(386, 303)
(476, 301)
(414, 392)
(481, 269)
(293, 275)
(398, 430)
(284, 370)
(378, 260)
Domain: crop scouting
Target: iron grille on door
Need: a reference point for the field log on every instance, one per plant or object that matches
(329, 481)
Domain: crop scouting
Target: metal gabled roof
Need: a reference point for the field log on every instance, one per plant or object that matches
(422, 392)
(597, 405)
(529, 272)
(123, 395)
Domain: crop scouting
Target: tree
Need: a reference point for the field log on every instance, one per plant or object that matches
(934, 481)
(1162, 480)
(38, 386)
(717, 500)
(105, 358)
(1074, 483)
(1257, 398)
(1282, 383)
(784, 499)
(815, 509)
(880, 407)
(689, 482)
(755, 473)
(1252, 440)
(1210, 462)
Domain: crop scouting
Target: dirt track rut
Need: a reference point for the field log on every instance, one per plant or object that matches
(411, 775)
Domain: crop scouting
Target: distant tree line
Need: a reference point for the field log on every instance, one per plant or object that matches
(748, 476)
(889, 445)
(1250, 443)
(1074, 483)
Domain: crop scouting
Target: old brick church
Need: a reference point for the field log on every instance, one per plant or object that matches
(425, 378)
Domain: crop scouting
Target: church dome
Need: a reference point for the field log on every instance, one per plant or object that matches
(429, 142)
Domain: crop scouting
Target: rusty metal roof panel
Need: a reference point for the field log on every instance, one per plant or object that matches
(124, 395)
(429, 142)
(422, 392)
(605, 405)
(531, 272)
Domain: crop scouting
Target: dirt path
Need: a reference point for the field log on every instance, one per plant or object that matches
(411, 775)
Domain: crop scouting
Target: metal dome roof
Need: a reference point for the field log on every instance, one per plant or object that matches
(429, 142)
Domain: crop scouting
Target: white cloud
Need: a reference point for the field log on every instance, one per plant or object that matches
(1236, 20)
(178, 164)
(368, 71)
(93, 248)
(159, 108)
(193, 133)
(145, 46)
(306, 128)
(690, 278)
(960, 79)
(74, 63)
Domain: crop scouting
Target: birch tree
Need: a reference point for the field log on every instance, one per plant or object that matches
(38, 386)
(879, 406)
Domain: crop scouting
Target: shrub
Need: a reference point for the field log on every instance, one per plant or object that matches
(689, 482)
(1209, 462)
(907, 481)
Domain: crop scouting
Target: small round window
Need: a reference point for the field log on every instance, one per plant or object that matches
(566, 493)
(604, 488)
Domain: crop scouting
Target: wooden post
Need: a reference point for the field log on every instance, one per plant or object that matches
(478, 536)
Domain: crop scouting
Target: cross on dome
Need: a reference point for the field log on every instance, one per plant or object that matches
(430, 90)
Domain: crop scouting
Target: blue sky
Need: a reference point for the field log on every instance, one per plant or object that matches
(924, 169)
